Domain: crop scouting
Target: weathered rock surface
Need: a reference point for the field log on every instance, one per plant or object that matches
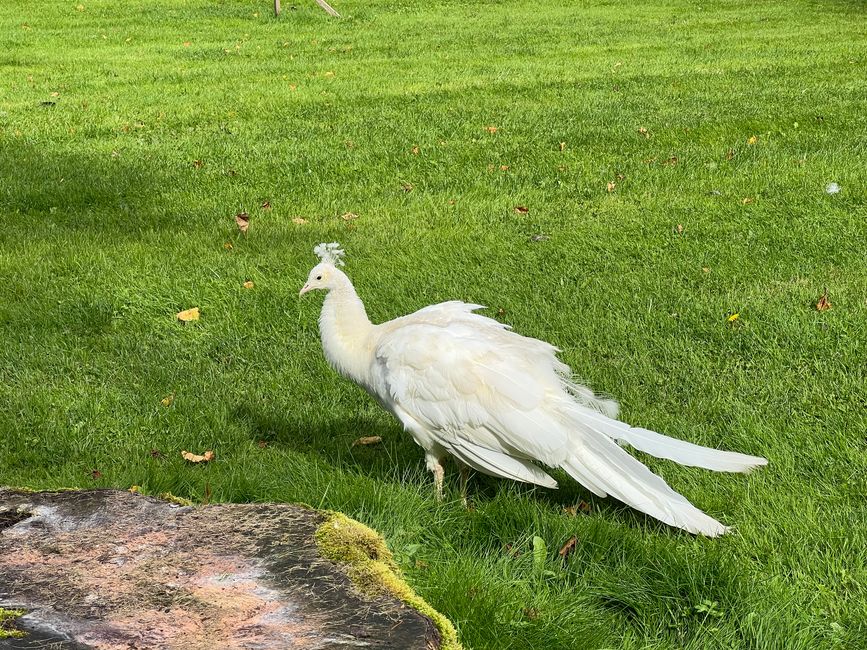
(116, 570)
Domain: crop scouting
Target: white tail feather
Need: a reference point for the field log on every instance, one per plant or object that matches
(600, 464)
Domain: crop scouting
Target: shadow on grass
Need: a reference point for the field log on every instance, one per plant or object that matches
(96, 191)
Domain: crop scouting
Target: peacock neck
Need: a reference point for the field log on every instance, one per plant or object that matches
(346, 332)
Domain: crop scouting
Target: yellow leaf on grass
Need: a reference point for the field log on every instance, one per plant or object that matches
(734, 317)
(367, 440)
(167, 400)
(188, 315)
(610, 186)
(299, 221)
(753, 139)
(195, 458)
(249, 284)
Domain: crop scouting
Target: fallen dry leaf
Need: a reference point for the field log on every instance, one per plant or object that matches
(562, 146)
(501, 312)
(730, 154)
(187, 43)
(198, 164)
(299, 221)
(733, 318)
(491, 129)
(266, 205)
(415, 151)
(406, 187)
(568, 547)
(207, 457)
(228, 246)
(670, 161)
(156, 453)
(262, 444)
(610, 186)
(188, 315)
(168, 399)
(367, 440)
(522, 209)
(504, 168)
(752, 140)
(248, 284)
(824, 304)
(95, 475)
(243, 221)
(581, 506)
(747, 200)
(643, 131)
(349, 216)
(679, 229)
(705, 269)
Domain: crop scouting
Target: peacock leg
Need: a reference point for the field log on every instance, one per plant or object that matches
(435, 466)
(464, 469)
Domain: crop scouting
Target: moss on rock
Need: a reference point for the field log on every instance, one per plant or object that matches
(7, 623)
(371, 567)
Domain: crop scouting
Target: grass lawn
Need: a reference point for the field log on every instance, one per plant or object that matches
(673, 156)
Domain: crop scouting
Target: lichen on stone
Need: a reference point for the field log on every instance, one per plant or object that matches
(171, 498)
(372, 569)
(7, 622)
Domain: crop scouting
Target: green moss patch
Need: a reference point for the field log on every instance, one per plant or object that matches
(7, 623)
(362, 553)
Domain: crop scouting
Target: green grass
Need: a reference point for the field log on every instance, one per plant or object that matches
(109, 228)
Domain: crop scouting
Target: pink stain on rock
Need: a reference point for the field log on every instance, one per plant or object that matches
(118, 571)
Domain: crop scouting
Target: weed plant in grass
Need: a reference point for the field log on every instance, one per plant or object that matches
(675, 156)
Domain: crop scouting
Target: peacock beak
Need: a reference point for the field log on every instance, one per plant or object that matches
(304, 290)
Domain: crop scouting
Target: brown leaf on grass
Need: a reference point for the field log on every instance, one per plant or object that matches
(95, 474)
(187, 43)
(188, 315)
(522, 209)
(415, 151)
(491, 129)
(367, 440)
(207, 457)
(406, 187)
(610, 186)
(562, 146)
(228, 246)
(300, 221)
(670, 161)
(581, 506)
(349, 216)
(501, 312)
(568, 547)
(824, 304)
(167, 400)
(643, 131)
(243, 221)
(248, 284)
(198, 164)
(504, 168)
(156, 453)
(262, 444)
(531, 612)
(730, 154)
(679, 229)
(266, 205)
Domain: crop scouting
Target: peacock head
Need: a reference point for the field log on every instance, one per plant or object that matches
(325, 274)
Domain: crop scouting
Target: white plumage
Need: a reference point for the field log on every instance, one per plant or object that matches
(466, 386)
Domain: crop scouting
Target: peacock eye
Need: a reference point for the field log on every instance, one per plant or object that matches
(318, 277)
